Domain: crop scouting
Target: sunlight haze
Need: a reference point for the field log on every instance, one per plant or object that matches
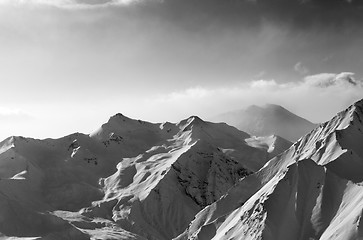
(67, 66)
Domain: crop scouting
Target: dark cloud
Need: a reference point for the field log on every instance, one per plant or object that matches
(93, 2)
(298, 13)
(210, 40)
(241, 38)
(196, 14)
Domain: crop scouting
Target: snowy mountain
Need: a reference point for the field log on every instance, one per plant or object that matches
(267, 120)
(129, 179)
(194, 179)
(313, 190)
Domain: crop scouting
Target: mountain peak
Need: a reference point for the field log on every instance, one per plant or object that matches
(359, 103)
(120, 123)
(191, 121)
(146, 168)
(253, 108)
(196, 120)
(274, 107)
(266, 107)
(119, 117)
(353, 115)
(267, 120)
(320, 175)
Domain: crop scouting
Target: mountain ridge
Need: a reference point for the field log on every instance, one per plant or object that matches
(123, 180)
(193, 179)
(305, 176)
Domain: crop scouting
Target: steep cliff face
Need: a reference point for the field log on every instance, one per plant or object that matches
(129, 179)
(311, 191)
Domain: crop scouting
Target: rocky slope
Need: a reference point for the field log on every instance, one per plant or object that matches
(313, 190)
(267, 120)
(129, 179)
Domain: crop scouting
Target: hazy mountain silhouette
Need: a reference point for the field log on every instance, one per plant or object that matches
(266, 120)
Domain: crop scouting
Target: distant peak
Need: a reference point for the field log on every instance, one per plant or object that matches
(270, 109)
(253, 106)
(120, 116)
(273, 106)
(195, 119)
(12, 142)
(16, 138)
(267, 106)
(253, 109)
(191, 121)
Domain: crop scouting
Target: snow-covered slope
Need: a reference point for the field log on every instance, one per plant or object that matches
(267, 120)
(129, 179)
(314, 190)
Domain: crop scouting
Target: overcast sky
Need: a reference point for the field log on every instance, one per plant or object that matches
(68, 65)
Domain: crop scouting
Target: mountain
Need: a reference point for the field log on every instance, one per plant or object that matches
(194, 179)
(267, 120)
(313, 190)
(129, 179)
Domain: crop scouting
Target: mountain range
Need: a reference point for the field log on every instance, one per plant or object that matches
(129, 179)
(194, 179)
(311, 191)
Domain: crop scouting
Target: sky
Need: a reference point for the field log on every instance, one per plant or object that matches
(68, 65)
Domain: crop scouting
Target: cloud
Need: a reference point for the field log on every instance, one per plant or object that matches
(194, 93)
(70, 4)
(301, 68)
(316, 97)
(324, 80)
(263, 84)
(8, 115)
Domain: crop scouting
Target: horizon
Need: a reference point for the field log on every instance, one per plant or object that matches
(69, 65)
(174, 122)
